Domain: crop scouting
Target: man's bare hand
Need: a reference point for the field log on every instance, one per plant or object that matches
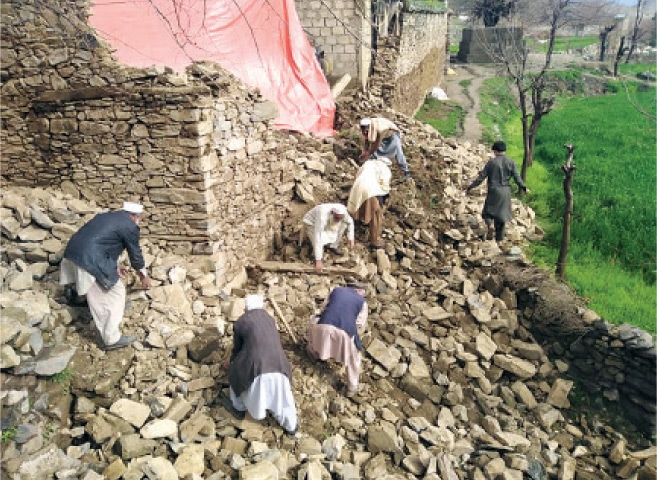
(122, 272)
(319, 266)
(146, 282)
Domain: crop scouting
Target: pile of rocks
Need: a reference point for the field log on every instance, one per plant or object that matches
(454, 384)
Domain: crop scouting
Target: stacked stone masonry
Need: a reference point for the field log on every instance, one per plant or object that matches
(198, 149)
(618, 362)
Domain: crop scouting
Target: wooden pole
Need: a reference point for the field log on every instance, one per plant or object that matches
(280, 314)
(568, 169)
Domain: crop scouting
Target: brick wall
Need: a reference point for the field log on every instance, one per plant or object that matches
(342, 29)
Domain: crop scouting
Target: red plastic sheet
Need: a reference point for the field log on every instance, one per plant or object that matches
(261, 42)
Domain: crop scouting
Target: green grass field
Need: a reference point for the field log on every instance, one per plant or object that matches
(611, 260)
(444, 116)
(562, 44)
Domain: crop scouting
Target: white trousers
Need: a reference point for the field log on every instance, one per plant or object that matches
(269, 391)
(107, 307)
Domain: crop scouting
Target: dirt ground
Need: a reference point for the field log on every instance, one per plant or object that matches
(468, 97)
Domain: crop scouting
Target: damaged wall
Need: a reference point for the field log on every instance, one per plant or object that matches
(197, 149)
(344, 33)
(410, 65)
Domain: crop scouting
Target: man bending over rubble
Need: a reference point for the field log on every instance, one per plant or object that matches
(334, 333)
(91, 263)
(382, 139)
(259, 372)
(325, 224)
(368, 195)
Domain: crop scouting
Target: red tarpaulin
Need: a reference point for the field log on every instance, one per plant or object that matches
(261, 42)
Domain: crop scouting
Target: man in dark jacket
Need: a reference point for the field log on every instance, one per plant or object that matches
(497, 207)
(259, 372)
(91, 263)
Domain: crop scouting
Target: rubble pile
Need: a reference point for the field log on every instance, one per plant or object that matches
(455, 386)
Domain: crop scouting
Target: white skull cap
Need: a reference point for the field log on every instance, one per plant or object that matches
(253, 302)
(365, 122)
(134, 208)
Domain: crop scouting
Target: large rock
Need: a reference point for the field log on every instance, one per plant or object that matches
(517, 366)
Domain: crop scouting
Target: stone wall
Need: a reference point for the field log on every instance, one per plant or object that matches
(421, 60)
(342, 29)
(618, 363)
(198, 149)
(409, 66)
(481, 45)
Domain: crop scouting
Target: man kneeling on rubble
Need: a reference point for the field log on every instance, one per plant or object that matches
(325, 224)
(334, 333)
(259, 372)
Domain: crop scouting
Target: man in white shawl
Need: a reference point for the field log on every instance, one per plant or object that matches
(368, 194)
(324, 225)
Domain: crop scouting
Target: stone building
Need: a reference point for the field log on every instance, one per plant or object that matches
(198, 149)
(354, 39)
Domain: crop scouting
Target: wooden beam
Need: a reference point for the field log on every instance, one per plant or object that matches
(273, 266)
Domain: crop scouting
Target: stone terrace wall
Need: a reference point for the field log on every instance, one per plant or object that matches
(343, 30)
(618, 362)
(198, 148)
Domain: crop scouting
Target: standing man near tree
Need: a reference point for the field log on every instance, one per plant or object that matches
(497, 207)
(91, 263)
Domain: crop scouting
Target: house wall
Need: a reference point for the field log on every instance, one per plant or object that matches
(342, 29)
(198, 149)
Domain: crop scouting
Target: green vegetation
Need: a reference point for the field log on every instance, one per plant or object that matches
(611, 259)
(634, 69)
(453, 48)
(446, 117)
(63, 379)
(562, 44)
(497, 108)
(9, 434)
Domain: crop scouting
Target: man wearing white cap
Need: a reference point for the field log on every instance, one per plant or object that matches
(91, 263)
(259, 372)
(382, 139)
(325, 224)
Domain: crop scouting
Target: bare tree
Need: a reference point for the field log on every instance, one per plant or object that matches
(604, 37)
(622, 49)
(492, 11)
(569, 170)
(534, 96)
(640, 7)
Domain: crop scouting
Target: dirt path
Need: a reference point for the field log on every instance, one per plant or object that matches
(467, 96)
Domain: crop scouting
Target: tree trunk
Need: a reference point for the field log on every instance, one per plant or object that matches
(619, 55)
(604, 35)
(635, 31)
(568, 170)
(526, 160)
